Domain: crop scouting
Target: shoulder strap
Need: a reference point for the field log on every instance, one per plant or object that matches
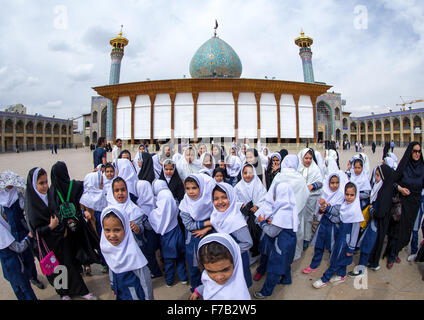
(69, 191)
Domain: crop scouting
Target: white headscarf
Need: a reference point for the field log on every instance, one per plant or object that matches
(6, 238)
(156, 165)
(163, 218)
(320, 162)
(241, 155)
(233, 165)
(312, 173)
(146, 199)
(133, 212)
(390, 162)
(107, 182)
(331, 166)
(376, 187)
(352, 213)
(232, 219)
(202, 158)
(126, 256)
(291, 176)
(265, 158)
(367, 167)
(43, 197)
(184, 168)
(334, 197)
(127, 172)
(284, 210)
(235, 288)
(93, 197)
(250, 191)
(362, 182)
(201, 208)
(9, 196)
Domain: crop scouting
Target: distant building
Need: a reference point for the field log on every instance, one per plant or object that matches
(16, 108)
(26, 132)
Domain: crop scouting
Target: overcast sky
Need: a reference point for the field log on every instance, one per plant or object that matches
(54, 52)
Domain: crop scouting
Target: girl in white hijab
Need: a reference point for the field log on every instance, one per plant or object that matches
(344, 247)
(108, 175)
(227, 218)
(126, 171)
(164, 222)
(93, 199)
(367, 167)
(228, 283)
(233, 166)
(280, 224)
(196, 208)
(242, 152)
(265, 155)
(130, 275)
(188, 164)
(359, 177)
(390, 162)
(327, 230)
(313, 177)
(207, 162)
(294, 178)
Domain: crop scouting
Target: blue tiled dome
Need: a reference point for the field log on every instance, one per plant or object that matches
(215, 59)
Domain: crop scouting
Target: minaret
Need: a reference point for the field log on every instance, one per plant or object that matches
(118, 44)
(304, 43)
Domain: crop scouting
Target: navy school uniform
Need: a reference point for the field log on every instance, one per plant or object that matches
(368, 238)
(192, 245)
(132, 285)
(280, 257)
(244, 240)
(14, 270)
(326, 234)
(19, 230)
(173, 250)
(265, 247)
(149, 243)
(345, 243)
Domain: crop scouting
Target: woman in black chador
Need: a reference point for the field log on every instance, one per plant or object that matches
(409, 182)
(71, 248)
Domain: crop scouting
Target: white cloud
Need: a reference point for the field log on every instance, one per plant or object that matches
(81, 72)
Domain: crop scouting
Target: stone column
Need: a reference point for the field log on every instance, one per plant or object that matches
(195, 97)
(374, 137)
(235, 97)
(3, 138)
(44, 136)
(401, 131)
(411, 121)
(172, 96)
(258, 114)
(133, 99)
(391, 128)
(366, 134)
(25, 147)
(278, 99)
(14, 134)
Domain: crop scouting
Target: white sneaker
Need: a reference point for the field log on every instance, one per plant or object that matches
(337, 279)
(319, 284)
(412, 257)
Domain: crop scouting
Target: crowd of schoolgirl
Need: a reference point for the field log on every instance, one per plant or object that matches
(207, 217)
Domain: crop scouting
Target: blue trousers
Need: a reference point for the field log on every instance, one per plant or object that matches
(169, 265)
(333, 269)
(24, 292)
(317, 258)
(246, 268)
(363, 259)
(262, 264)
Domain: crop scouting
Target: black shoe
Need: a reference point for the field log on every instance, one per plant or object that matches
(38, 284)
(354, 274)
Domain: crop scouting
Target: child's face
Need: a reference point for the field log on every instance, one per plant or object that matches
(114, 230)
(307, 160)
(377, 176)
(266, 152)
(109, 173)
(220, 271)
(126, 156)
(233, 152)
(334, 184)
(247, 174)
(141, 149)
(250, 158)
(42, 184)
(219, 177)
(222, 165)
(357, 168)
(276, 161)
(192, 190)
(169, 170)
(189, 156)
(350, 195)
(120, 192)
(207, 161)
(216, 151)
(220, 201)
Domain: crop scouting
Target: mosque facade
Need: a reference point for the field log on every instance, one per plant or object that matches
(216, 103)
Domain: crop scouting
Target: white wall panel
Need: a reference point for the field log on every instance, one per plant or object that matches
(183, 115)
(247, 115)
(306, 117)
(162, 117)
(123, 118)
(268, 107)
(142, 117)
(287, 117)
(215, 114)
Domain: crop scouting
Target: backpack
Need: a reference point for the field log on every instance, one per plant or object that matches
(67, 210)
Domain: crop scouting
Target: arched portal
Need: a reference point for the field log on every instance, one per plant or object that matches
(103, 121)
(324, 122)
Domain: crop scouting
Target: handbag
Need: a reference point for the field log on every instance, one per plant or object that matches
(49, 262)
(366, 214)
(396, 210)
